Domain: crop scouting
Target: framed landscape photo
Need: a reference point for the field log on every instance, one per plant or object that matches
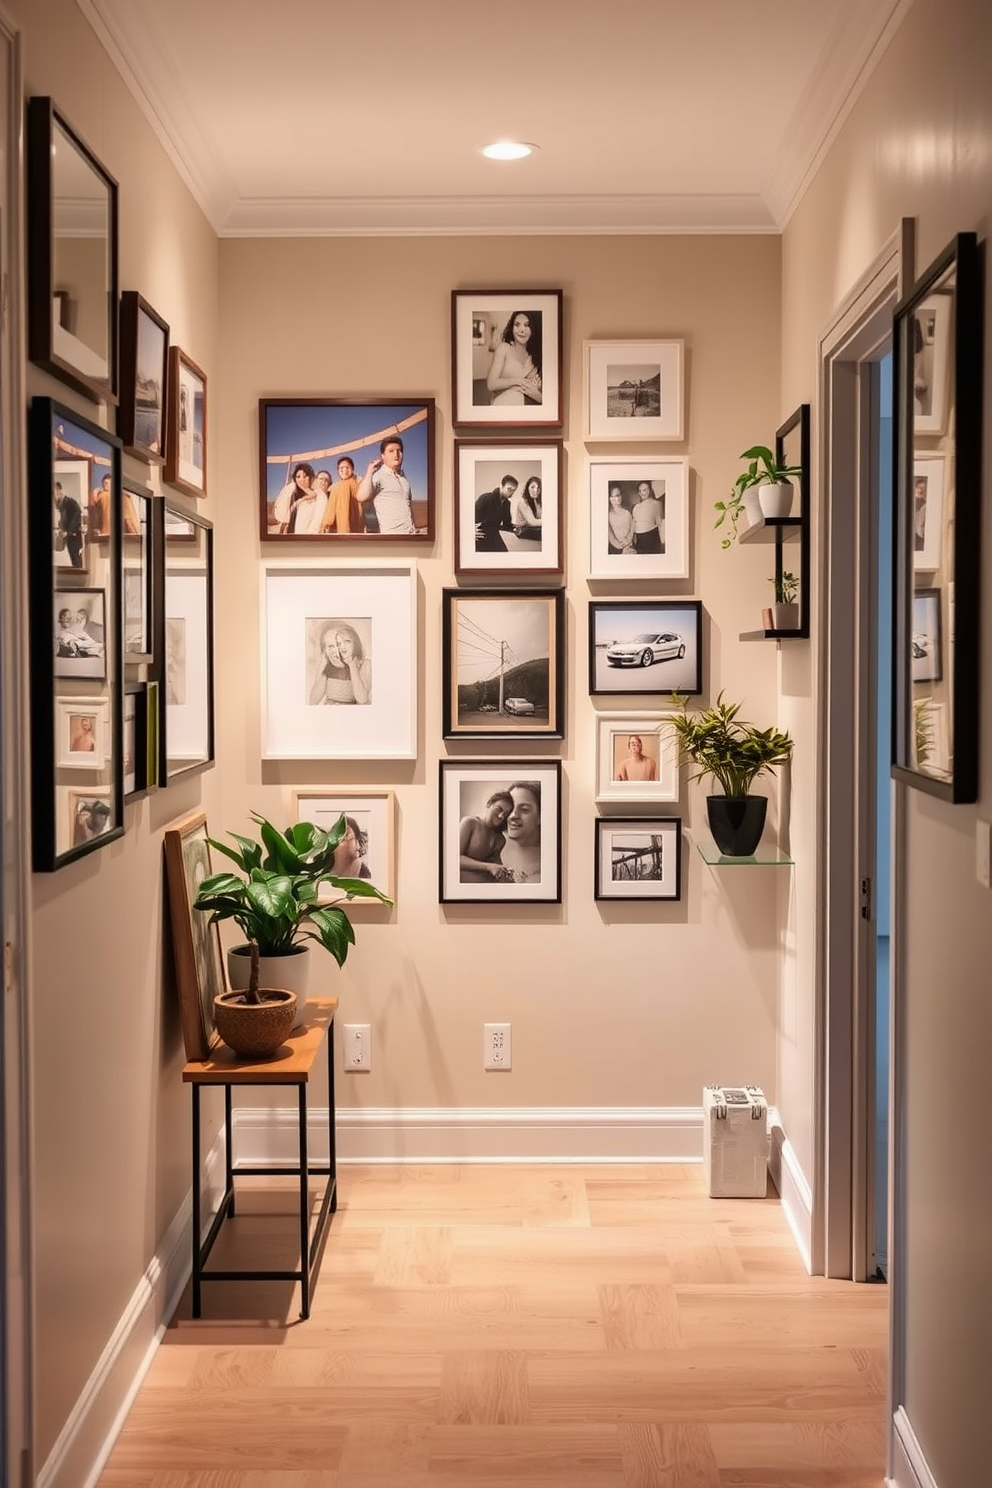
(368, 848)
(346, 469)
(506, 358)
(144, 338)
(637, 757)
(195, 941)
(634, 389)
(925, 642)
(186, 425)
(339, 662)
(638, 518)
(503, 662)
(645, 646)
(928, 511)
(500, 831)
(508, 507)
(638, 857)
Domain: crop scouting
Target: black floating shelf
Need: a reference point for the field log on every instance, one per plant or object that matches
(797, 633)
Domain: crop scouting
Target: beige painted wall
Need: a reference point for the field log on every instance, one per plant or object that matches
(919, 143)
(610, 1006)
(110, 1115)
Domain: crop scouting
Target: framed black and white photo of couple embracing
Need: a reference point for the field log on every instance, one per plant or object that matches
(500, 832)
(506, 358)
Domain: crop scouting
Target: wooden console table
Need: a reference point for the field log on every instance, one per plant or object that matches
(290, 1067)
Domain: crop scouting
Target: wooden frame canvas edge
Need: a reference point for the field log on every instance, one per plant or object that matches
(448, 597)
(197, 1037)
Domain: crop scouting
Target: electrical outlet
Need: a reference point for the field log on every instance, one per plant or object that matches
(496, 1046)
(983, 853)
(358, 1046)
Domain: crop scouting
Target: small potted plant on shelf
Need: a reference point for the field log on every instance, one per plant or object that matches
(785, 610)
(735, 754)
(763, 489)
(274, 900)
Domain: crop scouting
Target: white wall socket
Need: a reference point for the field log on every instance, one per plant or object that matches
(496, 1046)
(358, 1046)
(983, 853)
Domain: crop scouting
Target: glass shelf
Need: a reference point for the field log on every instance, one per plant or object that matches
(765, 857)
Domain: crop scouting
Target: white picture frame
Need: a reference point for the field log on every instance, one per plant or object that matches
(616, 779)
(188, 666)
(305, 610)
(634, 390)
(373, 812)
(82, 732)
(931, 365)
(483, 469)
(620, 548)
(928, 512)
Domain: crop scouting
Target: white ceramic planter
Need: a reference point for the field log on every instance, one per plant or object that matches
(752, 507)
(775, 499)
(291, 971)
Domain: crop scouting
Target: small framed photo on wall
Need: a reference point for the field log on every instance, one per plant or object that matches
(928, 511)
(186, 432)
(500, 832)
(144, 338)
(645, 646)
(637, 757)
(926, 639)
(634, 389)
(638, 518)
(368, 848)
(638, 857)
(84, 738)
(508, 507)
(506, 358)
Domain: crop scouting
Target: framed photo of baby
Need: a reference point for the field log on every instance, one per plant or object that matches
(506, 358)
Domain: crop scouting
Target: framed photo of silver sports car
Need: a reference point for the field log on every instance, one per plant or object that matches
(506, 358)
(645, 646)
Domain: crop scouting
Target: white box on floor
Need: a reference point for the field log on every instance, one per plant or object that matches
(735, 1141)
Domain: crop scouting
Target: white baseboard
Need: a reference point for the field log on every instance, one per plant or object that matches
(793, 1188)
(85, 1441)
(424, 1134)
(910, 1468)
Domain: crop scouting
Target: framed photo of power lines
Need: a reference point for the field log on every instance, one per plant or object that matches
(504, 664)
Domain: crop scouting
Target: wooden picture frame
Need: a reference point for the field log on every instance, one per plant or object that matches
(186, 425)
(503, 663)
(141, 414)
(506, 358)
(508, 507)
(196, 947)
(371, 814)
(634, 390)
(346, 470)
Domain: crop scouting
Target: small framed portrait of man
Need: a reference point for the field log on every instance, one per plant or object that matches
(637, 757)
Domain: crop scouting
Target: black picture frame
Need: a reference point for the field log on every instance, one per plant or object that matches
(503, 663)
(482, 323)
(937, 353)
(186, 669)
(72, 307)
(75, 630)
(637, 858)
(638, 666)
(509, 868)
(137, 760)
(316, 436)
(141, 412)
(142, 571)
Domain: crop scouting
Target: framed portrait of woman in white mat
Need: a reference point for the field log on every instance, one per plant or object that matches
(506, 358)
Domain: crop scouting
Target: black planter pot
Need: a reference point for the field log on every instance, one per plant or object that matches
(737, 825)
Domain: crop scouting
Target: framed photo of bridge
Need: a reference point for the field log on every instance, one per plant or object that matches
(638, 857)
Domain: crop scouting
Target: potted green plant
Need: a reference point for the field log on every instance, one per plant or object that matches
(735, 754)
(274, 900)
(785, 611)
(763, 489)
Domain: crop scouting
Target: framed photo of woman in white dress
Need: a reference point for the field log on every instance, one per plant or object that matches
(506, 358)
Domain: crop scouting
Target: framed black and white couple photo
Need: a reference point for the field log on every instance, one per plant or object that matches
(500, 832)
(508, 507)
(638, 518)
(506, 358)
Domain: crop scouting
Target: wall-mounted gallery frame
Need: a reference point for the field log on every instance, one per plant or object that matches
(508, 507)
(83, 732)
(937, 350)
(339, 661)
(144, 379)
(141, 730)
(503, 664)
(638, 857)
(637, 757)
(645, 646)
(75, 634)
(368, 848)
(195, 941)
(500, 831)
(346, 469)
(188, 646)
(72, 256)
(638, 518)
(142, 574)
(634, 389)
(186, 425)
(506, 358)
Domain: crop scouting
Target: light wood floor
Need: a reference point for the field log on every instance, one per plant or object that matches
(520, 1327)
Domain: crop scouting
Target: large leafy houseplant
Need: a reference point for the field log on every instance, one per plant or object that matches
(735, 754)
(762, 469)
(274, 898)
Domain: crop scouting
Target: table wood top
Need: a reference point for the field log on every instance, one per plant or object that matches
(290, 1065)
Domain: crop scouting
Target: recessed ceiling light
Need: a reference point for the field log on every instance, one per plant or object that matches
(507, 150)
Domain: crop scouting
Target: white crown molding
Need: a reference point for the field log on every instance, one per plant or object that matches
(845, 69)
